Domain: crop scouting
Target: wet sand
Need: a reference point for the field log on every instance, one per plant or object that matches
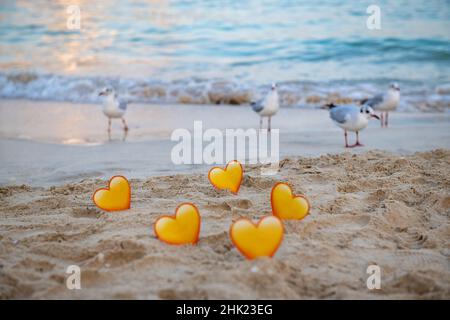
(47, 143)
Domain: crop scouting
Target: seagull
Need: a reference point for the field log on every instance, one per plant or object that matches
(268, 106)
(351, 118)
(385, 102)
(113, 107)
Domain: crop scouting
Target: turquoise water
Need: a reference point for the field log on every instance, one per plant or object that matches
(187, 51)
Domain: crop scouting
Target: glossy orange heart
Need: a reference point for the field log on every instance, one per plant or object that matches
(181, 228)
(286, 205)
(115, 197)
(257, 240)
(229, 178)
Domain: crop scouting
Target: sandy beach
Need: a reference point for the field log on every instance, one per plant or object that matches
(389, 208)
(185, 84)
(372, 208)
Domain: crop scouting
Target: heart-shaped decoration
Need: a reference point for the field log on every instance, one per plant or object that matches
(229, 178)
(286, 205)
(115, 197)
(181, 228)
(257, 240)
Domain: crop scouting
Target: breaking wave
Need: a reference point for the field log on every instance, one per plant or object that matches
(35, 86)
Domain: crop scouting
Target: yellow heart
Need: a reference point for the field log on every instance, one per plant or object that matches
(181, 228)
(257, 240)
(286, 205)
(115, 197)
(230, 178)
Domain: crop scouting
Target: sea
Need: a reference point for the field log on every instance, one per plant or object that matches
(226, 52)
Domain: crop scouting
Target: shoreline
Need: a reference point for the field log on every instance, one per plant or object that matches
(52, 143)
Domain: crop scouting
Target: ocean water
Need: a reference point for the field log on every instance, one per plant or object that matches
(226, 51)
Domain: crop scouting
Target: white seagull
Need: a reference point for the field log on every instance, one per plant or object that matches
(268, 106)
(113, 107)
(385, 102)
(351, 118)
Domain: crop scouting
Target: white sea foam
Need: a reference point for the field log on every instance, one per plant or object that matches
(35, 86)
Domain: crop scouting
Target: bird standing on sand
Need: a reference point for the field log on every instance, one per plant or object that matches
(268, 106)
(351, 118)
(385, 102)
(113, 107)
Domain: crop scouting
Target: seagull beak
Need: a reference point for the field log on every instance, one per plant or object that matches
(101, 94)
(375, 116)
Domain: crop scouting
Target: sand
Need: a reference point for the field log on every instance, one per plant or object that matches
(370, 208)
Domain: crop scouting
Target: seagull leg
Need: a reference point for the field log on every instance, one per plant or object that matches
(125, 134)
(269, 123)
(109, 128)
(125, 127)
(346, 141)
(382, 119)
(260, 123)
(357, 144)
(353, 145)
(386, 119)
